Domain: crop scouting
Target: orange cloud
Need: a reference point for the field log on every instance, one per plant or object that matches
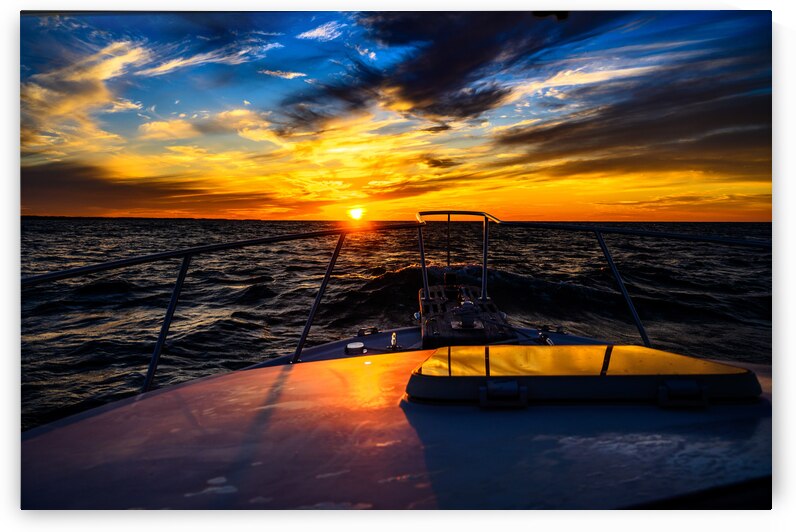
(167, 130)
(57, 107)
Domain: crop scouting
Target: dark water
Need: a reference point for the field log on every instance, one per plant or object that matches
(88, 341)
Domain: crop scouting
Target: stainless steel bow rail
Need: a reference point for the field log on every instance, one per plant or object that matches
(188, 253)
(598, 232)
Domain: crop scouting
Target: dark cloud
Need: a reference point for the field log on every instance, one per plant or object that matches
(210, 30)
(437, 129)
(453, 53)
(422, 184)
(74, 189)
(434, 162)
(465, 103)
(743, 200)
(71, 189)
(710, 114)
(301, 117)
(405, 189)
(723, 167)
(310, 109)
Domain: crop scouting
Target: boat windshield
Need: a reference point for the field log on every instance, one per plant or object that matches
(560, 360)
(516, 375)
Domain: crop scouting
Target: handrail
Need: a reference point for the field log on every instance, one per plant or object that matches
(420, 215)
(487, 217)
(210, 248)
(598, 232)
(317, 301)
(621, 284)
(604, 229)
(187, 253)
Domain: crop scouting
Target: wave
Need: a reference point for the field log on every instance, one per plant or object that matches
(92, 336)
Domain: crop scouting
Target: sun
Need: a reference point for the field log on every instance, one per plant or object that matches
(357, 213)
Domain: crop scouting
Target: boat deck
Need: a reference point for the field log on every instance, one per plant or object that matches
(341, 434)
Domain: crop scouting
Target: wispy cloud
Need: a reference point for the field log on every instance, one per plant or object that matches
(58, 106)
(365, 52)
(168, 130)
(571, 78)
(229, 55)
(243, 122)
(267, 33)
(324, 32)
(692, 199)
(123, 104)
(61, 22)
(110, 62)
(283, 74)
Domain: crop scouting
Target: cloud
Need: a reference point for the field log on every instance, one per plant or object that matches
(437, 129)
(677, 200)
(324, 32)
(711, 118)
(78, 189)
(716, 133)
(168, 130)
(448, 69)
(568, 78)
(370, 54)
(80, 86)
(325, 101)
(110, 62)
(268, 33)
(210, 30)
(433, 162)
(283, 74)
(58, 107)
(123, 104)
(61, 22)
(244, 122)
(404, 187)
(712, 205)
(232, 54)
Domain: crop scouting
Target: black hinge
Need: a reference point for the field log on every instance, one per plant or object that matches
(367, 331)
(503, 394)
(682, 394)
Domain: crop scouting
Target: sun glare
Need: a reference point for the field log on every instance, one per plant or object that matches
(356, 214)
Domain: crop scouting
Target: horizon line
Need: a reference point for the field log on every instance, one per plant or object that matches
(362, 222)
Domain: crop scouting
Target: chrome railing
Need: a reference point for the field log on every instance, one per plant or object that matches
(598, 232)
(187, 254)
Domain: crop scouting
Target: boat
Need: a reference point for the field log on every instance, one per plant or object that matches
(461, 411)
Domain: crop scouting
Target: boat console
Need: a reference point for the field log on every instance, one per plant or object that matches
(456, 314)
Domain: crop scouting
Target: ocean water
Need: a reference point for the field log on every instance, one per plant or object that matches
(87, 341)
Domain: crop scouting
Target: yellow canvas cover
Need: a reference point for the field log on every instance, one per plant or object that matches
(566, 372)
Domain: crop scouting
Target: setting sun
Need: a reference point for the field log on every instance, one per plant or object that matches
(356, 214)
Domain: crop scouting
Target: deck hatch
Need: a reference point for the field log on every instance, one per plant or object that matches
(574, 372)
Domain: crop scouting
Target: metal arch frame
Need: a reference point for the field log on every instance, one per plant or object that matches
(598, 232)
(187, 254)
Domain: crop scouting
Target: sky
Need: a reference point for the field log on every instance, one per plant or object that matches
(592, 116)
